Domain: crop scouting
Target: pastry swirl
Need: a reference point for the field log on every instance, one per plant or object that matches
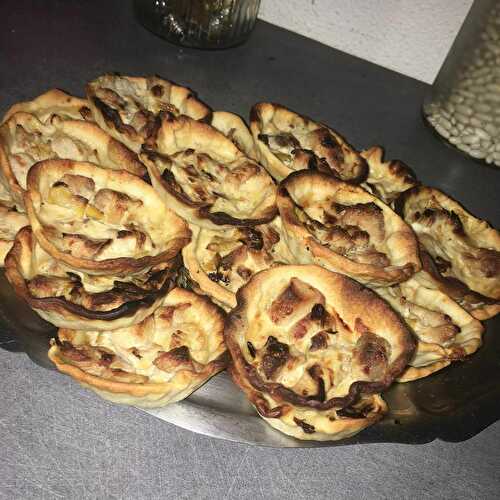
(80, 301)
(287, 141)
(345, 229)
(128, 108)
(205, 178)
(161, 360)
(100, 221)
(464, 249)
(53, 102)
(445, 332)
(304, 338)
(25, 140)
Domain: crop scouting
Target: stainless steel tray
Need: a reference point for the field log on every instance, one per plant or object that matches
(453, 405)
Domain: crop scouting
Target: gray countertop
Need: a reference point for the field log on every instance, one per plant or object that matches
(60, 441)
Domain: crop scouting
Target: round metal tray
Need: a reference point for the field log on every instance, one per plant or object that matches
(453, 405)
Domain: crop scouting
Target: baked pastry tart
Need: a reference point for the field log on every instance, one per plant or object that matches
(220, 262)
(287, 141)
(70, 300)
(24, 140)
(346, 229)
(463, 247)
(234, 128)
(52, 102)
(100, 221)
(310, 349)
(161, 360)
(205, 178)
(479, 306)
(445, 331)
(386, 179)
(11, 221)
(128, 107)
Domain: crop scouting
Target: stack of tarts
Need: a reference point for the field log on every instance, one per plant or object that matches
(168, 242)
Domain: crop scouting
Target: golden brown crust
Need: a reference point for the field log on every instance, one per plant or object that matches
(205, 178)
(52, 102)
(305, 337)
(344, 228)
(387, 179)
(220, 262)
(328, 425)
(287, 141)
(479, 306)
(24, 140)
(11, 221)
(463, 247)
(70, 301)
(100, 221)
(128, 107)
(444, 330)
(161, 360)
(235, 129)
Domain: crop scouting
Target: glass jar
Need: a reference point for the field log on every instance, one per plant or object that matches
(463, 106)
(204, 24)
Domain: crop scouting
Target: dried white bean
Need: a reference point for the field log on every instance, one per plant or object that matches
(491, 129)
(476, 121)
(462, 118)
(494, 87)
(482, 134)
(465, 110)
(456, 99)
(482, 108)
(484, 117)
(445, 123)
(475, 153)
(442, 131)
(470, 139)
(492, 97)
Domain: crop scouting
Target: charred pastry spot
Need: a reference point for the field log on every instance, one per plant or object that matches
(136, 353)
(110, 115)
(252, 238)
(60, 184)
(442, 264)
(146, 178)
(218, 276)
(152, 126)
(264, 138)
(276, 355)
(315, 372)
(85, 113)
(251, 349)
(157, 90)
(244, 272)
(106, 358)
(319, 341)
(168, 176)
(307, 428)
(318, 313)
(350, 412)
(123, 233)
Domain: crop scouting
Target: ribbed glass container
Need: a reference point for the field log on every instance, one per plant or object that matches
(204, 24)
(463, 106)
